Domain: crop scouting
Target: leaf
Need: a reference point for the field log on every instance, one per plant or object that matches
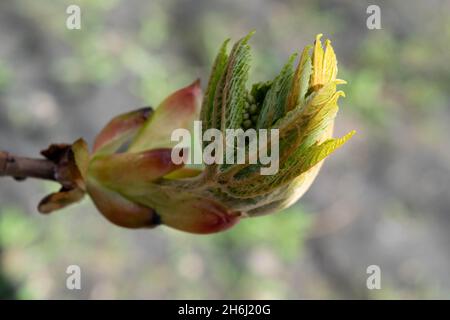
(318, 117)
(316, 153)
(300, 81)
(324, 64)
(291, 169)
(317, 63)
(232, 89)
(329, 63)
(275, 102)
(300, 117)
(217, 72)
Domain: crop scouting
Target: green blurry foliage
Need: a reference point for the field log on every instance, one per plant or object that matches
(5, 76)
(247, 261)
(15, 228)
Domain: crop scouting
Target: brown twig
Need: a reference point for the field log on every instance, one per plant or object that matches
(22, 167)
(59, 165)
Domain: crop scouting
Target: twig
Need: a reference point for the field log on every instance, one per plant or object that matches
(21, 167)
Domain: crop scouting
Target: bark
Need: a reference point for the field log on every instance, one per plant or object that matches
(21, 167)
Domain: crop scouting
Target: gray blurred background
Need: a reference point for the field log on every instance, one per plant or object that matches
(383, 199)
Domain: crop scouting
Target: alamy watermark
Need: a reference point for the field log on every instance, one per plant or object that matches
(373, 21)
(73, 21)
(73, 281)
(374, 279)
(261, 146)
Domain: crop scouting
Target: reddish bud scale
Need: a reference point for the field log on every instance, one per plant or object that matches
(201, 216)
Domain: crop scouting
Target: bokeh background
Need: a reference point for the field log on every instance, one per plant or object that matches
(383, 199)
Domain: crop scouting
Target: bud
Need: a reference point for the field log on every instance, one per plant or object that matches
(134, 183)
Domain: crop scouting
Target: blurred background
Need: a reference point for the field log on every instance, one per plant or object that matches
(383, 199)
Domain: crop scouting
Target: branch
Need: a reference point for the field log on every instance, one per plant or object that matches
(21, 167)
(59, 165)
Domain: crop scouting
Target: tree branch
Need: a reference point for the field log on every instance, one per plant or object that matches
(22, 167)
